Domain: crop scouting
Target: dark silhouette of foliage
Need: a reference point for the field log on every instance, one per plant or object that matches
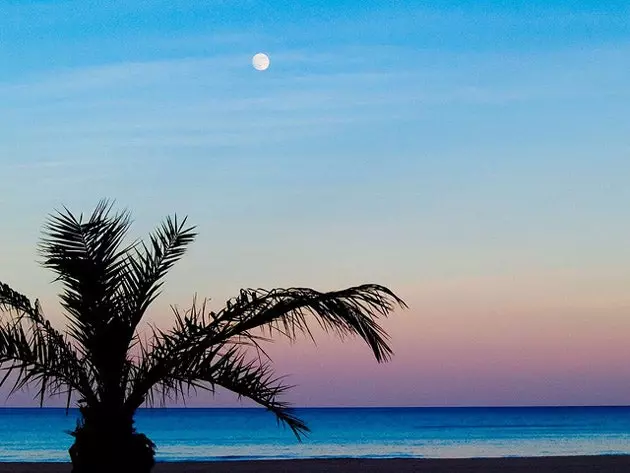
(101, 360)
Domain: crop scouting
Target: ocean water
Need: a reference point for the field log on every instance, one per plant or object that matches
(224, 434)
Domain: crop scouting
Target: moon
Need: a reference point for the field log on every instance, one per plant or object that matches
(260, 61)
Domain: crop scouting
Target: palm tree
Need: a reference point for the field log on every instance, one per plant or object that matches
(102, 361)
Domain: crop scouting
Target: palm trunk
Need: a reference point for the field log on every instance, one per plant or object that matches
(108, 442)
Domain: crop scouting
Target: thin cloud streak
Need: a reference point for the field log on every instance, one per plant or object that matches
(317, 104)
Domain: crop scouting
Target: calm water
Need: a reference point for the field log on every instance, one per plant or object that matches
(211, 434)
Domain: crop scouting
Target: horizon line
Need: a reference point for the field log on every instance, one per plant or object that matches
(516, 406)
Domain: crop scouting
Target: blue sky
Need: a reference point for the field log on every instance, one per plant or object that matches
(409, 143)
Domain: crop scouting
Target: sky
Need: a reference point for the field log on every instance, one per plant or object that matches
(473, 156)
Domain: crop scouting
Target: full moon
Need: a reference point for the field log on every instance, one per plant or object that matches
(260, 62)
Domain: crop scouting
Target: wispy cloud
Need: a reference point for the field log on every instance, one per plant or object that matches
(221, 101)
(203, 101)
(43, 164)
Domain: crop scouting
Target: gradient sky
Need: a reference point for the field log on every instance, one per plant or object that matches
(472, 155)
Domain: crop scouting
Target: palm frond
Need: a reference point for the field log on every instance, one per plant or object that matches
(228, 367)
(11, 300)
(350, 312)
(253, 380)
(36, 352)
(148, 265)
(200, 335)
(88, 260)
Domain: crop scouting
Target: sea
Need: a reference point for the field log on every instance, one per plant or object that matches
(194, 434)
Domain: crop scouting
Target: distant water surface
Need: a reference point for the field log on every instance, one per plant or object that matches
(223, 434)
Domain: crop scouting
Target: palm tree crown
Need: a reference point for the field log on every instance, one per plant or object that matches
(101, 360)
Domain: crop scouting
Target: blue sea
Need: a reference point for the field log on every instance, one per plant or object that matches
(229, 434)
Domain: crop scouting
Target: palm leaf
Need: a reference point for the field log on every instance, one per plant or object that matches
(36, 352)
(181, 358)
(148, 264)
(350, 312)
(88, 261)
(253, 380)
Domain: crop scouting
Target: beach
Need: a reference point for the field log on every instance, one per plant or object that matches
(573, 464)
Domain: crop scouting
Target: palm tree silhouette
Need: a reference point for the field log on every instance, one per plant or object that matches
(103, 363)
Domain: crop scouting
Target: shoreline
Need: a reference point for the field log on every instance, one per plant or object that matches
(566, 464)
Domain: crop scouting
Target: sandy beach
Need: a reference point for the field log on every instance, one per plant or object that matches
(608, 464)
